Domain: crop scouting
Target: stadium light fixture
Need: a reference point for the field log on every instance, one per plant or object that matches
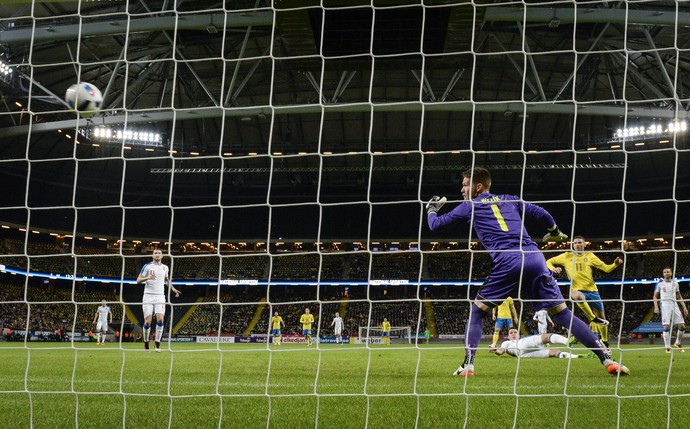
(650, 131)
(133, 137)
(6, 72)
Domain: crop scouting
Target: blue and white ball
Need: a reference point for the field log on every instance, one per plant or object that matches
(85, 98)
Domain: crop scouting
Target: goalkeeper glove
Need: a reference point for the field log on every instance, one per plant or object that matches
(555, 234)
(435, 204)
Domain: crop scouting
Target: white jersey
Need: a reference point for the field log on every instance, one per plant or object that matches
(667, 290)
(338, 325)
(155, 286)
(526, 347)
(542, 316)
(543, 319)
(670, 312)
(103, 312)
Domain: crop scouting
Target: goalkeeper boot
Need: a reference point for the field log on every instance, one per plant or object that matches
(679, 348)
(613, 367)
(464, 371)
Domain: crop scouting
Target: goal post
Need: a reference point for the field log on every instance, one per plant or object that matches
(374, 335)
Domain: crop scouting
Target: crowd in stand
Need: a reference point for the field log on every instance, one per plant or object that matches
(51, 305)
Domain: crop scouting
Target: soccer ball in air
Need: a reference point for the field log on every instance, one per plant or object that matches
(85, 98)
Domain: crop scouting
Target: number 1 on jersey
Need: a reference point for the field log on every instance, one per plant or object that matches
(499, 217)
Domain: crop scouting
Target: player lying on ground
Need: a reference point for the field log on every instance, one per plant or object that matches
(533, 346)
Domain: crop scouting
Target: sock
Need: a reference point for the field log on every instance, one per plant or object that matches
(666, 335)
(469, 360)
(473, 333)
(580, 330)
(558, 339)
(566, 355)
(495, 340)
(604, 333)
(159, 331)
(103, 335)
(679, 336)
(584, 306)
(98, 337)
(147, 332)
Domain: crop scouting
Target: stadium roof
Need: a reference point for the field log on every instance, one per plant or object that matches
(343, 117)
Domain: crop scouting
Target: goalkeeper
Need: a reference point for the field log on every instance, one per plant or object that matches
(517, 261)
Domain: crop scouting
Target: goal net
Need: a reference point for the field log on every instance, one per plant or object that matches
(281, 155)
(374, 335)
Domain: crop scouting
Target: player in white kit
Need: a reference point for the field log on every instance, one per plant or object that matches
(668, 292)
(337, 324)
(155, 275)
(101, 318)
(543, 319)
(533, 346)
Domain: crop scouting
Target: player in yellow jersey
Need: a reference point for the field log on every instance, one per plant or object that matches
(505, 316)
(276, 324)
(386, 331)
(578, 266)
(306, 320)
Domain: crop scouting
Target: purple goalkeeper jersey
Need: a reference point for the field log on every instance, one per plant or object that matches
(518, 262)
(497, 221)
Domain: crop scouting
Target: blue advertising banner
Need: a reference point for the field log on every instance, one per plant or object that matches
(649, 328)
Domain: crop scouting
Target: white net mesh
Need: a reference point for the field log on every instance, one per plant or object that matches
(280, 154)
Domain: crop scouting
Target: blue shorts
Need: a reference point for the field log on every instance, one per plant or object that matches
(504, 323)
(534, 280)
(385, 334)
(594, 300)
(306, 332)
(276, 332)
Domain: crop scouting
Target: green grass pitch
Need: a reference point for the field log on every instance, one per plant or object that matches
(57, 385)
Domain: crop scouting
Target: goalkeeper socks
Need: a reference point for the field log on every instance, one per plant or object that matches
(473, 333)
(581, 331)
(147, 332)
(469, 360)
(159, 331)
(558, 339)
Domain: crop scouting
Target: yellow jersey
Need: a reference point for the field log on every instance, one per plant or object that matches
(386, 326)
(503, 310)
(579, 269)
(276, 321)
(306, 320)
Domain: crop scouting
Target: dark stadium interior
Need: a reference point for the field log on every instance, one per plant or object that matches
(220, 95)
